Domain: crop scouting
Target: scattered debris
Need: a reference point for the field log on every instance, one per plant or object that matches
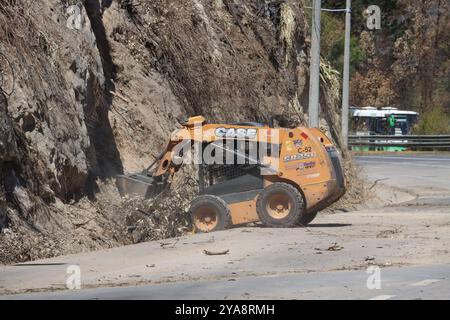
(161, 217)
(334, 247)
(205, 242)
(388, 233)
(165, 245)
(376, 181)
(215, 253)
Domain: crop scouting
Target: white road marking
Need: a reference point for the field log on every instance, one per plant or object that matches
(425, 282)
(383, 297)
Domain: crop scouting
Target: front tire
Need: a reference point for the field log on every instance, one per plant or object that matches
(280, 205)
(210, 213)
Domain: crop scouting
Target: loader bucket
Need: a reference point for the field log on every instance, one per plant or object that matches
(136, 184)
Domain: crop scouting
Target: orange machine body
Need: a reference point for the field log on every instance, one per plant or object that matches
(305, 158)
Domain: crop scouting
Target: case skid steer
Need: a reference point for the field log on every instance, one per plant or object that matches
(247, 172)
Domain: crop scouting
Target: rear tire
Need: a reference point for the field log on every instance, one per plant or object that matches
(307, 219)
(280, 205)
(210, 213)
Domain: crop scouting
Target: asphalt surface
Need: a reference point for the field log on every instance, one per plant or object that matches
(411, 283)
(269, 264)
(430, 171)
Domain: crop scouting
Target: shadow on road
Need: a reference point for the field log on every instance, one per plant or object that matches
(329, 225)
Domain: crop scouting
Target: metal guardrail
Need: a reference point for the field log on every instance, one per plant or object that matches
(409, 141)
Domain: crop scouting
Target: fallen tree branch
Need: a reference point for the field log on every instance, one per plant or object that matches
(216, 253)
(376, 181)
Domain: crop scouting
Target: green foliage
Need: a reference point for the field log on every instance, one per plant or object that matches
(414, 66)
(388, 8)
(357, 54)
(332, 31)
(434, 122)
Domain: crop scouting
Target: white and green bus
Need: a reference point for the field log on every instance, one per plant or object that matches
(374, 121)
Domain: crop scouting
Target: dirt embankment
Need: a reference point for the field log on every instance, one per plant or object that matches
(98, 87)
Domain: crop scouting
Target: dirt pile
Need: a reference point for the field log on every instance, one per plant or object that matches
(165, 217)
(99, 85)
(107, 222)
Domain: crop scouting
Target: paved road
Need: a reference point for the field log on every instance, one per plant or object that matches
(431, 282)
(417, 173)
(409, 242)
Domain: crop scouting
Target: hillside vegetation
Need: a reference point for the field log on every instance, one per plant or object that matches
(406, 64)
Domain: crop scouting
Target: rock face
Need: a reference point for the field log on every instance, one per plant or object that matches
(58, 102)
(8, 150)
(99, 85)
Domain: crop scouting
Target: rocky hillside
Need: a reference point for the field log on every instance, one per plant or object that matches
(87, 96)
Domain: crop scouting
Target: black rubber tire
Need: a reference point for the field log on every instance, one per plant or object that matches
(220, 208)
(295, 214)
(307, 218)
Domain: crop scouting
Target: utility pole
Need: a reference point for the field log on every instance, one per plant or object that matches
(314, 80)
(346, 80)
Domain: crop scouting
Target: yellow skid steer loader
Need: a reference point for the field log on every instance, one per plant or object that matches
(247, 172)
